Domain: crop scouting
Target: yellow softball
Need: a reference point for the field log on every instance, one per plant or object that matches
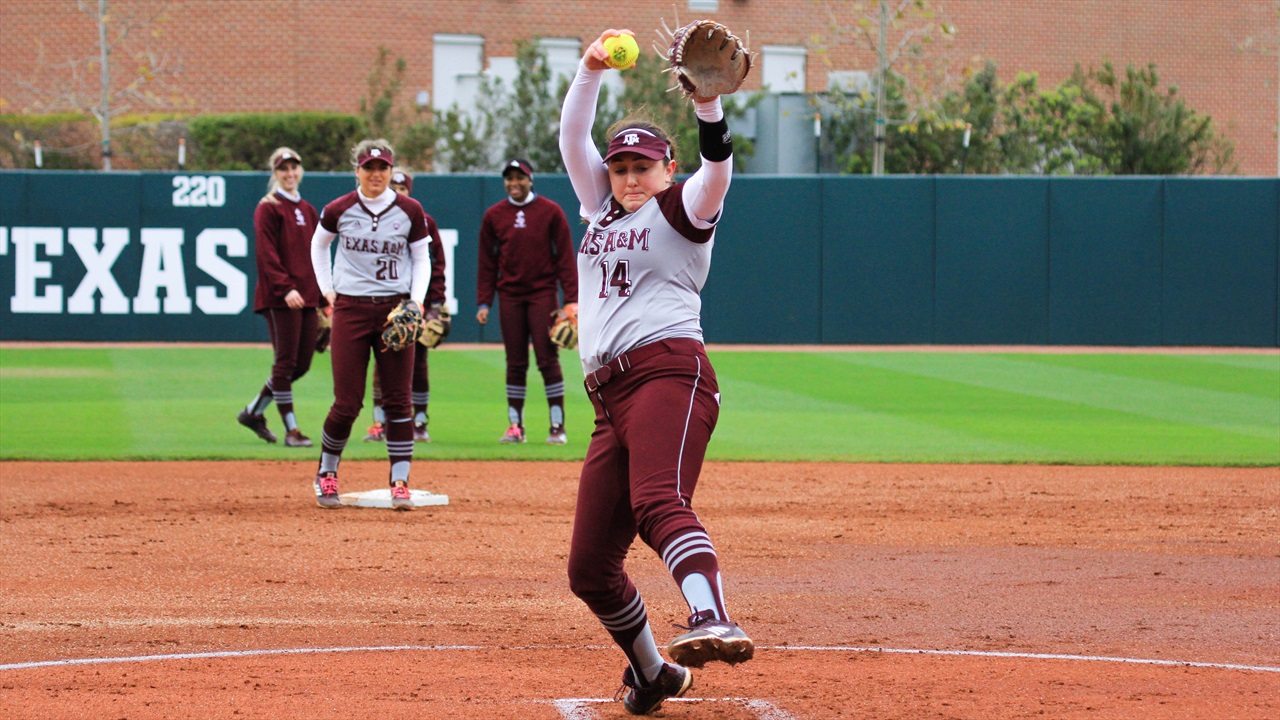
(622, 50)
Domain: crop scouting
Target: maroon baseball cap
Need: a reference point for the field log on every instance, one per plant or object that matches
(286, 156)
(518, 164)
(376, 153)
(639, 141)
(400, 177)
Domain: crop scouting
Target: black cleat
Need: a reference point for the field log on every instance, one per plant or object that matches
(672, 682)
(256, 423)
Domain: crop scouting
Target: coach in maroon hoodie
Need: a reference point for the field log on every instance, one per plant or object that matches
(524, 250)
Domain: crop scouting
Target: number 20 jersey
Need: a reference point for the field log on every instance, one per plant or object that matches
(373, 255)
(639, 277)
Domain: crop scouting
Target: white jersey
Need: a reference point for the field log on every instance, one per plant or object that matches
(639, 274)
(373, 257)
(639, 277)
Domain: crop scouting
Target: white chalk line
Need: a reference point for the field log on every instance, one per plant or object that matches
(1032, 656)
(525, 648)
(236, 654)
(581, 708)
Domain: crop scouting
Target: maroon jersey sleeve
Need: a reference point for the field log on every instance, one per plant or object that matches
(566, 259)
(435, 291)
(304, 274)
(487, 263)
(267, 238)
(422, 225)
(329, 216)
(671, 201)
(418, 218)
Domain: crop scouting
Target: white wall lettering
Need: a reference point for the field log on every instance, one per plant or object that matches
(97, 266)
(181, 191)
(449, 238)
(36, 252)
(199, 191)
(29, 270)
(235, 281)
(162, 268)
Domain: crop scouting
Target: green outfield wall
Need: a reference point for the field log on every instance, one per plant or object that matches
(1145, 261)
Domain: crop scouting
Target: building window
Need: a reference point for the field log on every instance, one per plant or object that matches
(456, 64)
(704, 5)
(563, 55)
(849, 82)
(783, 67)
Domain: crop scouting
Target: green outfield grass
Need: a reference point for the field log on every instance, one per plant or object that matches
(1183, 409)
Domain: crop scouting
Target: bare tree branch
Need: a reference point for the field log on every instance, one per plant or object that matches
(72, 85)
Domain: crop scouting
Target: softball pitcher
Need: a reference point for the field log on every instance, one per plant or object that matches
(641, 265)
(286, 294)
(386, 249)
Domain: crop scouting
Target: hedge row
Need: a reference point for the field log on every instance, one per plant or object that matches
(68, 141)
(243, 141)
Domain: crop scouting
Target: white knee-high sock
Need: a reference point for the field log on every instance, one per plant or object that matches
(646, 652)
(697, 593)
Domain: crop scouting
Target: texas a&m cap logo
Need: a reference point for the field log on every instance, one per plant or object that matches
(376, 153)
(640, 141)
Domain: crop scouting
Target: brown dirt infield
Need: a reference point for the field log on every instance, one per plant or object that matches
(117, 560)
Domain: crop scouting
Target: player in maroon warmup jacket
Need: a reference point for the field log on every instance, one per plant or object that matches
(524, 251)
(286, 294)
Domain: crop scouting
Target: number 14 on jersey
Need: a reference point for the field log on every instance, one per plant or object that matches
(619, 277)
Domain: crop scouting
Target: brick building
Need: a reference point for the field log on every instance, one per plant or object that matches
(265, 55)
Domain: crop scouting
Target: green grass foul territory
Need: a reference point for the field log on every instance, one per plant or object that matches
(114, 403)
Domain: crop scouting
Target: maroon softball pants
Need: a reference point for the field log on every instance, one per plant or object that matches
(357, 332)
(653, 423)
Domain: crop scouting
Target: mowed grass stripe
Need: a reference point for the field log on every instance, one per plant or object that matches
(849, 413)
(1253, 413)
(1257, 376)
(180, 403)
(1102, 418)
(763, 422)
(66, 398)
(1011, 416)
(1269, 363)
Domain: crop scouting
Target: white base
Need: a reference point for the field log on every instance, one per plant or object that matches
(382, 498)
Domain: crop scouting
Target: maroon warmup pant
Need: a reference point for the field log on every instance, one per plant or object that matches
(521, 321)
(357, 332)
(653, 422)
(421, 378)
(293, 341)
